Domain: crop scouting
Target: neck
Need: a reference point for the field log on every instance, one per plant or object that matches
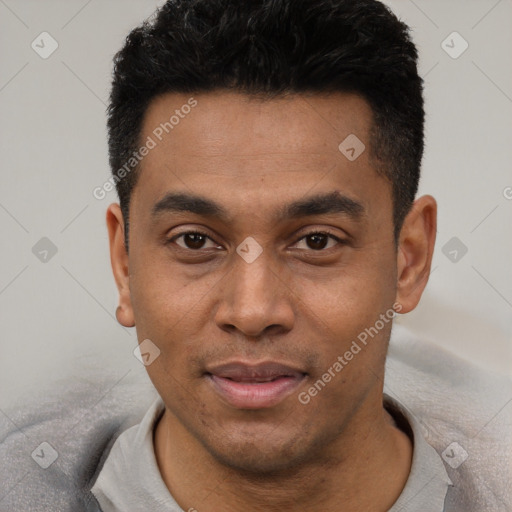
(366, 468)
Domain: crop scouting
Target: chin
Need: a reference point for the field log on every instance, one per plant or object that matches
(257, 463)
(259, 456)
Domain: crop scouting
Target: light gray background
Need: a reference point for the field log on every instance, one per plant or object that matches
(57, 317)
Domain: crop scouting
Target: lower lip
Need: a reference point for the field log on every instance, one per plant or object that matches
(243, 395)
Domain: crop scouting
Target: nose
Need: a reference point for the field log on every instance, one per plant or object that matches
(255, 300)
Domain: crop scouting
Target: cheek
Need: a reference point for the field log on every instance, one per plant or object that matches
(178, 392)
(163, 298)
(351, 299)
(345, 309)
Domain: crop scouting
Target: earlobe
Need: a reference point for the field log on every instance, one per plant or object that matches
(119, 262)
(415, 251)
(125, 317)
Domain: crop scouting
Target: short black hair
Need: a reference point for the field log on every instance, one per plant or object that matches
(272, 48)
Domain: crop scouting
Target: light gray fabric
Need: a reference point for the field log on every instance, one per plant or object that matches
(130, 479)
(452, 402)
(457, 402)
(428, 481)
(80, 417)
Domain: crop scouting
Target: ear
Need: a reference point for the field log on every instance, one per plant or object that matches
(119, 262)
(415, 251)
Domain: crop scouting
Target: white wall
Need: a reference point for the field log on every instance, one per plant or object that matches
(57, 317)
(467, 166)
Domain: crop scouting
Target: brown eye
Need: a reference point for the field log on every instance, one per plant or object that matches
(317, 241)
(193, 241)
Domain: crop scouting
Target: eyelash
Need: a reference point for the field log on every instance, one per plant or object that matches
(311, 233)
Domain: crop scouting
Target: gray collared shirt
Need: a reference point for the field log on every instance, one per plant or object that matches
(130, 478)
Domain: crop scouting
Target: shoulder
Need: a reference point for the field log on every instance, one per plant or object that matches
(53, 443)
(465, 413)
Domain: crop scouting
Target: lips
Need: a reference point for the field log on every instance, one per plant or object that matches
(257, 386)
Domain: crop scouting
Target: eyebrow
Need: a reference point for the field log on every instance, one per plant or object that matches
(320, 204)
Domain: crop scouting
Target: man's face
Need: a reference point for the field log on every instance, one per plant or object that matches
(219, 314)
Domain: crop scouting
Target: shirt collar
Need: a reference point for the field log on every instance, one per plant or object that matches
(428, 481)
(130, 478)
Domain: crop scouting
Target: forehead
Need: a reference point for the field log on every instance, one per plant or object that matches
(221, 143)
(225, 121)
